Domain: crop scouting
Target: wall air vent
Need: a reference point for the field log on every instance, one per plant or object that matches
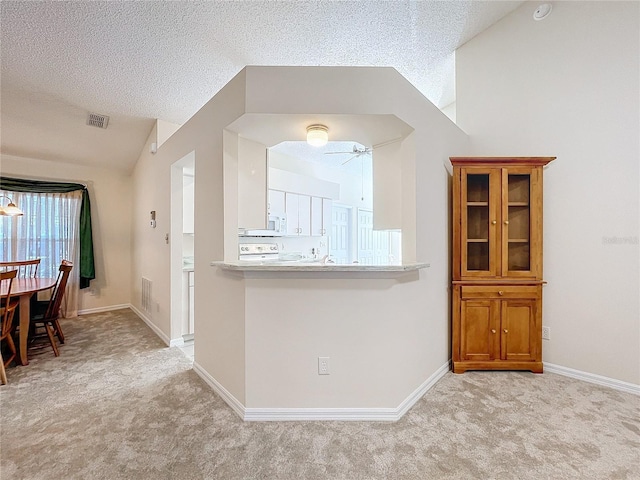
(97, 120)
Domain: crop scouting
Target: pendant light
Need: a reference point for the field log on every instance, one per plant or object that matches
(10, 210)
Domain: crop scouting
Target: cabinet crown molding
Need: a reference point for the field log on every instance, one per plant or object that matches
(470, 161)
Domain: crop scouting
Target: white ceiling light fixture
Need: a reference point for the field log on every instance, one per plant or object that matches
(317, 135)
(542, 11)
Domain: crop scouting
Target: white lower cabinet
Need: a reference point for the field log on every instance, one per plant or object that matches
(191, 303)
(187, 303)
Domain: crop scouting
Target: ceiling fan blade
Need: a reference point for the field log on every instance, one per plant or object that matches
(349, 159)
(336, 153)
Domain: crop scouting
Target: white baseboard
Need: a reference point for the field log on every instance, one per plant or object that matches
(229, 399)
(347, 414)
(593, 378)
(151, 325)
(427, 385)
(321, 414)
(89, 311)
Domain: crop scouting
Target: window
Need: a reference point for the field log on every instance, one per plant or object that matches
(48, 229)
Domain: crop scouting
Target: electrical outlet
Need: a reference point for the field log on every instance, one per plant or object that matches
(323, 365)
(546, 333)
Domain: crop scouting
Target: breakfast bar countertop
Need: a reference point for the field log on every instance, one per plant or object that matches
(276, 266)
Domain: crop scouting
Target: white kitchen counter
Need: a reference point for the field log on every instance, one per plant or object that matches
(272, 266)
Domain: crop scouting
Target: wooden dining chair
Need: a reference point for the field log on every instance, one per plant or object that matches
(25, 268)
(48, 318)
(8, 307)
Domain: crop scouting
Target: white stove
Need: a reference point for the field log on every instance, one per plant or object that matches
(255, 252)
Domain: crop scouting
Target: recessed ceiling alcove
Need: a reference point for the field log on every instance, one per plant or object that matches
(271, 129)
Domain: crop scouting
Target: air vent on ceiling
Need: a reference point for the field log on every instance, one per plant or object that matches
(97, 120)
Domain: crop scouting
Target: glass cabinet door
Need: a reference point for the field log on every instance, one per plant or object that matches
(518, 210)
(518, 214)
(478, 223)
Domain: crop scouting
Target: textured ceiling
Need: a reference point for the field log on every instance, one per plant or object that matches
(138, 61)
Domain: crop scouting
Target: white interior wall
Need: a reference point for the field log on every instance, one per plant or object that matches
(110, 192)
(416, 315)
(568, 86)
(370, 328)
(419, 309)
(164, 130)
(221, 352)
(252, 184)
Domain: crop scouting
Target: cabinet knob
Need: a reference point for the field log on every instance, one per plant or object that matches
(500, 292)
(493, 222)
(493, 330)
(506, 222)
(506, 331)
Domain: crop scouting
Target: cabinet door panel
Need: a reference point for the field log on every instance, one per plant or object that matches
(327, 206)
(479, 210)
(291, 209)
(316, 216)
(521, 226)
(478, 327)
(304, 215)
(519, 335)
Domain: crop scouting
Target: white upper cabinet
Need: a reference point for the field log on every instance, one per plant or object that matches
(298, 210)
(320, 216)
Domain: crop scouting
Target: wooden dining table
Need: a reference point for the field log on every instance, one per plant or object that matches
(25, 288)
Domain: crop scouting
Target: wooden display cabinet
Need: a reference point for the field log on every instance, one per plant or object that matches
(497, 263)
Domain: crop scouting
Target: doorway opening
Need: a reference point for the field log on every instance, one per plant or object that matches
(182, 252)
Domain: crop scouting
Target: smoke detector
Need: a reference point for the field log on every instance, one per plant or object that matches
(97, 120)
(542, 11)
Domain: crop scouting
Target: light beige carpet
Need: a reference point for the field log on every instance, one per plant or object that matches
(118, 404)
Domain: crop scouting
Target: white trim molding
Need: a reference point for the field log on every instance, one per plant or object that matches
(321, 414)
(593, 378)
(347, 414)
(235, 404)
(89, 311)
(151, 325)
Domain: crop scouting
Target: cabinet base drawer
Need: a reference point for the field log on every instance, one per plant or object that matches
(499, 291)
(462, 366)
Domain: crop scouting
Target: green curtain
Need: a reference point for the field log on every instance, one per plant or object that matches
(87, 264)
